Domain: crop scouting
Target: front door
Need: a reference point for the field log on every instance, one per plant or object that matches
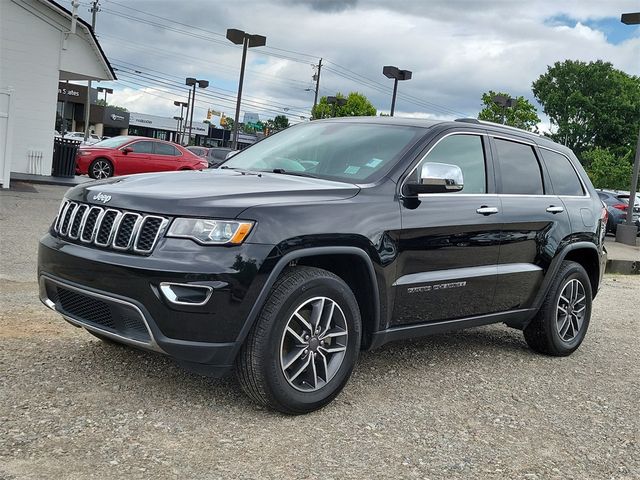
(137, 160)
(449, 242)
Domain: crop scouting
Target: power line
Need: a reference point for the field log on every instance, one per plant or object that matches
(138, 68)
(167, 87)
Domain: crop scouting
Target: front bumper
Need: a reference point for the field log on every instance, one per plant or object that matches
(117, 295)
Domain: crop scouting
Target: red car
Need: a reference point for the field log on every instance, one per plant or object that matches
(125, 155)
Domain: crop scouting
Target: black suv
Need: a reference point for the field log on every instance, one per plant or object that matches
(327, 238)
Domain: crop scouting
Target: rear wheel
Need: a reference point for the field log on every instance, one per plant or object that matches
(100, 168)
(302, 349)
(562, 322)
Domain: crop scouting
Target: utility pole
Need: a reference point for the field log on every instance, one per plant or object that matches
(95, 8)
(317, 79)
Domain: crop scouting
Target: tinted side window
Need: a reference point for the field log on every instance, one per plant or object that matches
(142, 147)
(465, 151)
(519, 168)
(564, 178)
(166, 149)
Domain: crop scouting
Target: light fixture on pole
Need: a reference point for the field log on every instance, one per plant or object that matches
(182, 105)
(396, 74)
(247, 40)
(627, 232)
(106, 91)
(336, 101)
(192, 82)
(505, 102)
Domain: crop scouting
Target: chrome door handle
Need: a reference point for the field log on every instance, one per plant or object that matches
(484, 210)
(553, 209)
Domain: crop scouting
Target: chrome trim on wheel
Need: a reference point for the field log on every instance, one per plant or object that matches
(101, 169)
(571, 310)
(314, 344)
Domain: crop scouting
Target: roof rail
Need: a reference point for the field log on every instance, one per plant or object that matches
(494, 124)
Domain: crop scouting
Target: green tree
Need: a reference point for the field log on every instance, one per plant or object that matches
(592, 104)
(228, 123)
(607, 170)
(280, 122)
(357, 105)
(522, 115)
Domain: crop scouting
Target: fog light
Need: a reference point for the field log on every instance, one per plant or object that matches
(186, 294)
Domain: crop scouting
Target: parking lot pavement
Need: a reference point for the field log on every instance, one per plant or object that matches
(473, 404)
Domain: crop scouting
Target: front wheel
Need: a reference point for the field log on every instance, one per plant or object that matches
(100, 168)
(302, 349)
(562, 322)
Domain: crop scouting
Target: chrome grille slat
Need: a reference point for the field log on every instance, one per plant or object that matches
(110, 228)
(67, 216)
(146, 239)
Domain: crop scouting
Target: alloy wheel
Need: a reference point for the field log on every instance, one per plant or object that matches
(314, 344)
(571, 309)
(101, 169)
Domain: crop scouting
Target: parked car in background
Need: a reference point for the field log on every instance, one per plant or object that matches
(199, 151)
(127, 154)
(217, 155)
(617, 204)
(79, 136)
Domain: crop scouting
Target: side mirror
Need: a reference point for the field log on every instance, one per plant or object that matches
(437, 178)
(127, 150)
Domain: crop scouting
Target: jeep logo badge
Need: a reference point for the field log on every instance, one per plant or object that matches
(101, 197)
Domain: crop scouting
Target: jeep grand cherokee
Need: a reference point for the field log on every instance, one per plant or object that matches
(328, 238)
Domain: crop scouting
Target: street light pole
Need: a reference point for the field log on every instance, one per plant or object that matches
(627, 233)
(247, 40)
(180, 104)
(245, 46)
(192, 82)
(397, 74)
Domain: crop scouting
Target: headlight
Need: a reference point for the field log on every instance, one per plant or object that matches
(83, 153)
(210, 232)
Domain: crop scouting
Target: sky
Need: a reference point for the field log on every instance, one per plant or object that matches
(456, 49)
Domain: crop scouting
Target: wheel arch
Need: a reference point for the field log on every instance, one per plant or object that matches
(584, 253)
(330, 259)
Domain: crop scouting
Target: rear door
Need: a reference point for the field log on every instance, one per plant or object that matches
(166, 157)
(448, 248)
(535, 221)
(135, 161)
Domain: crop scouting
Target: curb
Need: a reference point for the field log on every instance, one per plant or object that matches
(625, 267)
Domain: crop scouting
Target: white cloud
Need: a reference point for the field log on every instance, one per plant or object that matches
(456, 50)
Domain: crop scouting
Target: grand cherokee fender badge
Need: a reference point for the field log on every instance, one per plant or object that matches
(101, 197)
(441, 286)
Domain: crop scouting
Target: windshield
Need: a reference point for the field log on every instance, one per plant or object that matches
(114, 142)
(348, 152)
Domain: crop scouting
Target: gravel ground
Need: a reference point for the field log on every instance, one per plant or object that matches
(473, 404)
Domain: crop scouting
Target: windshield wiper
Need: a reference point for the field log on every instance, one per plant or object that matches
(295, 174)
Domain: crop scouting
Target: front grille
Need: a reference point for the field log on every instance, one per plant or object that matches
(112, 316)
(109, 227)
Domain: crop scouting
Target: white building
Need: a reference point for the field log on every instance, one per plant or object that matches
(41, 44)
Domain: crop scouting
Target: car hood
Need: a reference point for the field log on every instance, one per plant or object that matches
(217, 193)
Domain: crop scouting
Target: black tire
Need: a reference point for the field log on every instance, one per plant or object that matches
(259, 368)
(101, 168)
(544, 332)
